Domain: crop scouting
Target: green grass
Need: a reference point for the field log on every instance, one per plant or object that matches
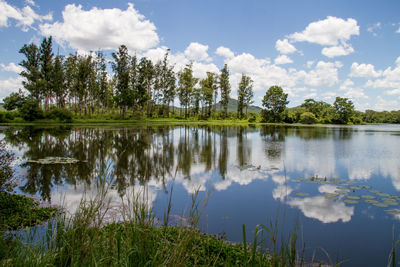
(18, 211)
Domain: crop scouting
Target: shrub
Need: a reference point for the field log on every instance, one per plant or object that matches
(30, 110)
(61, 114)
(308, 118)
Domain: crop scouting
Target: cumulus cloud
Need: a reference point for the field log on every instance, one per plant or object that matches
(324, 74)
(25, 17)
(197, 51)
(11, 67)
(310, 63)
(329, 31)
(10, 85)
(351, 91)
(282, 59)
(102, 29)
(322, 209)
(333, 32)
(30, 2)
(382, 104)
(284, 47)
(335, 51)
(364, 70)
(224, 52)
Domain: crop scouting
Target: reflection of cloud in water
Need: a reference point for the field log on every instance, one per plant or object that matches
(70, 198)
(316, 157)
(322, 209)
(281, 191)
(327, 188)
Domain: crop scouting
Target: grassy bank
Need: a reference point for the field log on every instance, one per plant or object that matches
(85, 239)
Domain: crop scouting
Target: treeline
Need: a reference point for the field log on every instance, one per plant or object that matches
(82, 84)
(85, 85)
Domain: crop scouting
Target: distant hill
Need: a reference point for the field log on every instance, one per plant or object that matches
(233, 104)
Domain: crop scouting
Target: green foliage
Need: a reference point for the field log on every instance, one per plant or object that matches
(225, 88)
(14, 100)
(344, 109)
(60, 114)
(275, 101)
(308, 118)
(30, 110)
(186, 84)
(245, 94)
(17, 211)
(7, 183)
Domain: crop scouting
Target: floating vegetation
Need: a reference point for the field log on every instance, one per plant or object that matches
(331, 196)
(383, 194)
(350, 201)
(342, 192)
(394, 212)
(353, 197)
(381, 204)
(302, 194)
(371, 201)
(368, 196)
(374, 191)
(350, 182)
(54, 160)
(390, 201)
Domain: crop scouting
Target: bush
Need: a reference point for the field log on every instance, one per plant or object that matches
(308, 118)
(61, 114)
(252, 118)
(30, 110)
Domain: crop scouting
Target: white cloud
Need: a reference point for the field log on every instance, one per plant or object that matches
(197, 51)
(30, 2)
(10, 85)
(25, 17)
(284, 47)
(372, 29)
(200, 69)
(324, 74)
(12, 67)
(335, 51)
(322, 209)
(224, 52)
(364, 70)
(102, 29)
(398, 62)
(328, 31)
(282, 59)
(310, 63)
(355, 93)
(382, 104)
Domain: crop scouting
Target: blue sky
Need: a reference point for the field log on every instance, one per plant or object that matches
(312, 48)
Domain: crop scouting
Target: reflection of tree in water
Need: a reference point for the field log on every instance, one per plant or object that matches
(243, 147)
(274, 138)
(131, 154)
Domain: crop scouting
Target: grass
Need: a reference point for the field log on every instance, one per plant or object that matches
(86, 239)
(18, 211)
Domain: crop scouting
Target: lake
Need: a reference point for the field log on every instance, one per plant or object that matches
(336, 186)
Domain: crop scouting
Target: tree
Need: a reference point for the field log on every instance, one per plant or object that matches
(144, 84)
(245, 94)
(31, 70)
(14, 100)
(46, 71)
(121, 67)
(164, 85)
(208, 89)
(344, 109)
(58, 82)
(225, 88)
(275, 101)
(186, 83)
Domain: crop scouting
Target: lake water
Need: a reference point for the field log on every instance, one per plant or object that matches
(338, 187)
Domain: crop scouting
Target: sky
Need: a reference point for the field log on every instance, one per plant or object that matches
(316, 49)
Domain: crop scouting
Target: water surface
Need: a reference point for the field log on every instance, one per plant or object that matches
(338, 186)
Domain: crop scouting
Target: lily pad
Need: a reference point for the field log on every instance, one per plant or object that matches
(353, 197)
(383, 194)
(381, 204)
(54, 160)
(302, 194)
(350, 182)
(368, 197)
(331, 196)
(343, 192)
(350, 201)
